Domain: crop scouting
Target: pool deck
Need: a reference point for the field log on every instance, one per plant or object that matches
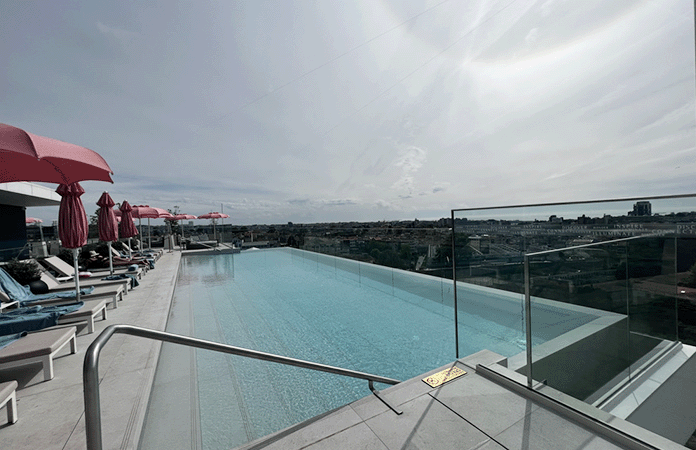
(51, 413)
(474, 411)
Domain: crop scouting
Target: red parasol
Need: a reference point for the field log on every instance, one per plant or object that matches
(72, 223)
(106, 222)
(127, 227)
(148, 212)
(214, 215)
(29, 220)
(178, 217)
(28, 157)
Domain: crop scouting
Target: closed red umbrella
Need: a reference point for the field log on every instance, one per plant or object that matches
(127, 227)
(72, 223)
(107, 224)
(29, 157)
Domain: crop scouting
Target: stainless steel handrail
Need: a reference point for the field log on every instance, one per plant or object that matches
(90, 370)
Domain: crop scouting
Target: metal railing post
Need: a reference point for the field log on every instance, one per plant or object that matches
(454, 283)
(528, 319)
(90, 376)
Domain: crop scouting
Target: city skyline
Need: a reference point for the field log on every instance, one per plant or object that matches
(282, 112)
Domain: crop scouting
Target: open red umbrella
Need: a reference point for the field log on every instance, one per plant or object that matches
(72, 223)
(107, 224)
(28, 157)
(177, 217)
(127, 227)
(214, 215)
(29, 220)
(141, 212)
(149, 212)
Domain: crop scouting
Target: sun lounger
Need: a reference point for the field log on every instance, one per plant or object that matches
(55, 286)
(48, 313)
(147, 252)
(40, 347)
(22, 294)
(7, 304)
(8, 396)
(92, 310)
(64, 269)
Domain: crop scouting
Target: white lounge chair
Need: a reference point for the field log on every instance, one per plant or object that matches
(8, 396)
(40, 347)
(116, 287)
(64, 269)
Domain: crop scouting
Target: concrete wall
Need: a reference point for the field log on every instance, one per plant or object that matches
(670, 410)
(584, 360)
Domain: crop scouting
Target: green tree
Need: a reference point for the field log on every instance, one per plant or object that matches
(443, 254)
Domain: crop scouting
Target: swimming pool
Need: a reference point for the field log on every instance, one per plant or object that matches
(315, 307)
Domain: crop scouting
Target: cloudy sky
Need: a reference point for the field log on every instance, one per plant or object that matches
(313, 111)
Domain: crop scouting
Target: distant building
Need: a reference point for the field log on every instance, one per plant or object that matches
(641, 209)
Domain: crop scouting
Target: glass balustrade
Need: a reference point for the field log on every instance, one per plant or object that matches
(600, 288)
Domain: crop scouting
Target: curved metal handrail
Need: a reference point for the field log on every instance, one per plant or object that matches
(90, 369)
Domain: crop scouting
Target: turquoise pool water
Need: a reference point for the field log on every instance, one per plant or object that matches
(317, 308)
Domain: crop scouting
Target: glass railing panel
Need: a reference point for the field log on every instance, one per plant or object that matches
(629, 263)
(580, 327)
(348, 269)
(377, 277)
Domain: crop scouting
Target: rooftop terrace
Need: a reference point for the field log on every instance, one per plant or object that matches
(484, 408)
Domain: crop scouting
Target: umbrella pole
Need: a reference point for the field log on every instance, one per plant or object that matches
(77, 275)
(130, 251)
(140, 224)
(149, 234)
(111, 259)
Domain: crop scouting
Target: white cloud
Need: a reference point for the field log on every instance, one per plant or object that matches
(330, 115)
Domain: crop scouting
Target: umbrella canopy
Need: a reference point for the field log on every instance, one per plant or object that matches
(149, 212)
(29, 220)
(106, 219)
(72, 220)
(181, 217)
(127, 228)
(214, 215)
(177, 217)
(106, 222)
(72, 223)
(28, 157)
(127, 225)
(145, 212)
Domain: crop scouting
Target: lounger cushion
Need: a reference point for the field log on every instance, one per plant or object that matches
(36, 344)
